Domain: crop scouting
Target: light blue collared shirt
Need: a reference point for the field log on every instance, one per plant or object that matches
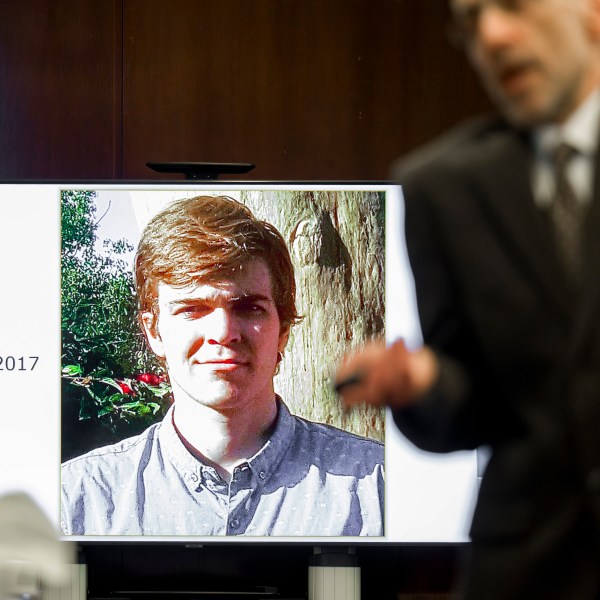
(309, 479)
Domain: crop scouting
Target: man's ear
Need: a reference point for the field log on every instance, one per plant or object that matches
(283, 339)
(150, 324)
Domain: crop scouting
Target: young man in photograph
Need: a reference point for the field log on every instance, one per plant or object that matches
(217, 300)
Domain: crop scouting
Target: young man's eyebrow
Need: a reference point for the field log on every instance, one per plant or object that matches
(251, 298)
(240, 298)
(184, 301)
(178, 303)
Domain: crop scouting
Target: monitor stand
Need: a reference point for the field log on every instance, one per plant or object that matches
(334, 574)
(201, 170)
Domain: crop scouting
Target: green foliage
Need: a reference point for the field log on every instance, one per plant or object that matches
(107, 369)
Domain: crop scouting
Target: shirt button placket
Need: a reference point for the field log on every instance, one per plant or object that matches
(195, 479)
(234, 525)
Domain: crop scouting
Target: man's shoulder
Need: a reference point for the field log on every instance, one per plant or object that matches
(334, 450)
(129, 449)
(330, 439)
(456, 150)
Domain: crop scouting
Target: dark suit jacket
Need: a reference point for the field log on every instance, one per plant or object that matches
(520, 357)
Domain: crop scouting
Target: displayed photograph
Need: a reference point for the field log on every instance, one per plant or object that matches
(200, 335)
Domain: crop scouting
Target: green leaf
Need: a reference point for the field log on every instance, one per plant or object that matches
(96, 398)
(154, 406)
(114, 399)
(161, 391)
(131, 405)
(111, 381)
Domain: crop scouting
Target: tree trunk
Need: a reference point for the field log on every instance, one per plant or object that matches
(336, 241)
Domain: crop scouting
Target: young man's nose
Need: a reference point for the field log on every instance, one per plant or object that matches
(221, 326)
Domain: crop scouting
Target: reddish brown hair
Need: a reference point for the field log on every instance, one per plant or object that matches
(205, 238)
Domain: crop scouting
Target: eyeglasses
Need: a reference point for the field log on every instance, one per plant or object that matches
(465, 24)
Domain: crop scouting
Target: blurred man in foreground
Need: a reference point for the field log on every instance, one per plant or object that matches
(502, 228)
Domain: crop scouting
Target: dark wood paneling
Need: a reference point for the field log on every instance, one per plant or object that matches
(306, 90)
(60, 74)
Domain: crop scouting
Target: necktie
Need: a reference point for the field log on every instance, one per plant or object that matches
(567, 214)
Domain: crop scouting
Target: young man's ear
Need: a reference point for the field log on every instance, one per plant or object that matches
(150, 324)
(283, 339)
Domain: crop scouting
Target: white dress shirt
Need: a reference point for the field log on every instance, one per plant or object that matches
(580, 131)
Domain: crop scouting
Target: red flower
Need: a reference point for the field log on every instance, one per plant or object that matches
(125, 388)
(149, 378)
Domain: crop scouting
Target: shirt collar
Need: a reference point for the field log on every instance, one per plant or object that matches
(580, 130)
(262, 464)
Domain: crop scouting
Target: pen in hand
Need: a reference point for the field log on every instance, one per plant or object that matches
(352, 379)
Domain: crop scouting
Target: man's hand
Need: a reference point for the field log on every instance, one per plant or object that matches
(386, 376)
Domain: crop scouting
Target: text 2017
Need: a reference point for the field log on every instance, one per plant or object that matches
(18, 363)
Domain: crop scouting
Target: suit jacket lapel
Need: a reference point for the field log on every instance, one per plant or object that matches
(503, 177)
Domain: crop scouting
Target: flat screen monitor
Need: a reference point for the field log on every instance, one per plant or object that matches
(77, 373)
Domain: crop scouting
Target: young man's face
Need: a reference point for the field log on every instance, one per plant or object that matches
(220, 340)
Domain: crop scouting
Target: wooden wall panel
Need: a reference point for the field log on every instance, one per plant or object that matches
(60, 78)
(305, 89)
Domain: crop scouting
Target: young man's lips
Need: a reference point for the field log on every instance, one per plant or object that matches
(223, 363)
